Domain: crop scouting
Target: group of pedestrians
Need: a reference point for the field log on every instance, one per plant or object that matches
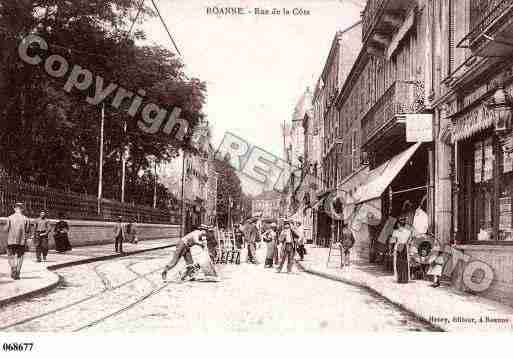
(19, 230)
(282, 245)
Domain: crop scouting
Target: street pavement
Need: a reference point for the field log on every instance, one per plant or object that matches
(35, 277)
(445, 307)
(126, 294)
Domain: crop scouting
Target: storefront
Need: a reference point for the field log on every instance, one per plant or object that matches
(397, 187)
(483, 186)
(322, 222)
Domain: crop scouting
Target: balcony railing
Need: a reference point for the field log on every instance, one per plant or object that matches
(369, 15)
(399, 98)
(484, 13)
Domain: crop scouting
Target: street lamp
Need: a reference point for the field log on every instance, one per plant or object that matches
(501, 107)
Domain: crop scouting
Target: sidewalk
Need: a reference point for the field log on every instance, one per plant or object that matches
(39, 277)
(444, 307)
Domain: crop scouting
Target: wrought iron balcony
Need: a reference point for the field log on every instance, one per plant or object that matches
(383, 16)
(400, 98)
(491, 28)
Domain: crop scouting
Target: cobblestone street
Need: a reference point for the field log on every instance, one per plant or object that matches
(127, 295)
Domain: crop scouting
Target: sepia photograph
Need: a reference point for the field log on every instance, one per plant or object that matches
(254, 167)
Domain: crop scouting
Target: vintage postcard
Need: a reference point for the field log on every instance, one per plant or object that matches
(255, 167)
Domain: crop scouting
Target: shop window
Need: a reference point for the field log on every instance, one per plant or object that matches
(489, 205)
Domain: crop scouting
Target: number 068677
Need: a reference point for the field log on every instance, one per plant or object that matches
(17, 347)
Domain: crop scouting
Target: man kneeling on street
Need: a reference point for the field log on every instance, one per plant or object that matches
(183, 249)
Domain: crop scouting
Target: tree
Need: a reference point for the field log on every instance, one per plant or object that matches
(51, 137)
(228, 191)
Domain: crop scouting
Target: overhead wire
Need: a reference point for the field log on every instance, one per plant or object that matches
(165, 26)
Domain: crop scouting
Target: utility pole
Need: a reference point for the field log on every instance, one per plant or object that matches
(100, 176)
(182, 219)
(229, 212)
(123, 164)
(155, 183)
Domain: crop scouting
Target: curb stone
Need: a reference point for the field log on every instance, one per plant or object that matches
(365, 286)
(58, 279)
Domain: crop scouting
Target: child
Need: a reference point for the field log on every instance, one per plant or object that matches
(436, 266)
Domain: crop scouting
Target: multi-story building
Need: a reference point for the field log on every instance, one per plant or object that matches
(267, 205)
(323, 127)
(381, 97)
(470, 84)
(294, 150)
(343, 52)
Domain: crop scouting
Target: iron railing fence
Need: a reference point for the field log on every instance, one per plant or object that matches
(72, 205)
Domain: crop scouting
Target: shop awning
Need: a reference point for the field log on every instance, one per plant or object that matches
(381, 177)
(471, 123)
(321, 197)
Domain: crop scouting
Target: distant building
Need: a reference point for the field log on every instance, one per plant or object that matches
(266, 205)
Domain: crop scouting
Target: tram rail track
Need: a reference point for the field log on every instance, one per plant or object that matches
(95, 296)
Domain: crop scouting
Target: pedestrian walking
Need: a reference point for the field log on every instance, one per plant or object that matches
(131, 233)
(118, 236)
(270, 237)
(346, 244)
(288, 238)
(41, 236)
(183, 249)
(239, 241)
(18, 230)
(60, 236)
(251, 235)
(301, 250)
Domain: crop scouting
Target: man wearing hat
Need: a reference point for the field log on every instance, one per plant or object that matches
(118, 236)
(288, 238)
(41, 236)
(18, 228)
(183, 249)
(252, 235)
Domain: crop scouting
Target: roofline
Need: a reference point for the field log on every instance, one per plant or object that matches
(361, 60)
(337, 37)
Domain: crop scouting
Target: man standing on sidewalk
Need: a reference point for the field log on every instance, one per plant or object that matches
(18, 228)
(41, 236)
(288, 239)
(252, 234)
(118, 236)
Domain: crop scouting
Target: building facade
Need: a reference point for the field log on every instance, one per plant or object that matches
(471, 83)
(323, 127)
(267, 205)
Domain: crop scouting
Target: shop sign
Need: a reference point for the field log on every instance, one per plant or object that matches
(419, 127)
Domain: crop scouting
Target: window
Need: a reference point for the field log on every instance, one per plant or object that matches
(487, 202)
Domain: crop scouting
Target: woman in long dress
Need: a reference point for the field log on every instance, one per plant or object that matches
(60, 237)
(270, 238)
(402, 236)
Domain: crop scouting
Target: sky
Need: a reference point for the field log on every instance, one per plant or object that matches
(256, 66)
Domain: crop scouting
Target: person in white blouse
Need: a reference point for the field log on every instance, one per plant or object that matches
(402, 236)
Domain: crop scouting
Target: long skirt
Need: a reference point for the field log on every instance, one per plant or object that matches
(271, 247)
(402, 267)
(61, 242)
(276, 254)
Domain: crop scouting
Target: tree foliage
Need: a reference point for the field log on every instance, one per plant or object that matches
(51, 137)
(229, 191)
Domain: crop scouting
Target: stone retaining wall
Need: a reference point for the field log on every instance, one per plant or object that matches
(87, 233)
